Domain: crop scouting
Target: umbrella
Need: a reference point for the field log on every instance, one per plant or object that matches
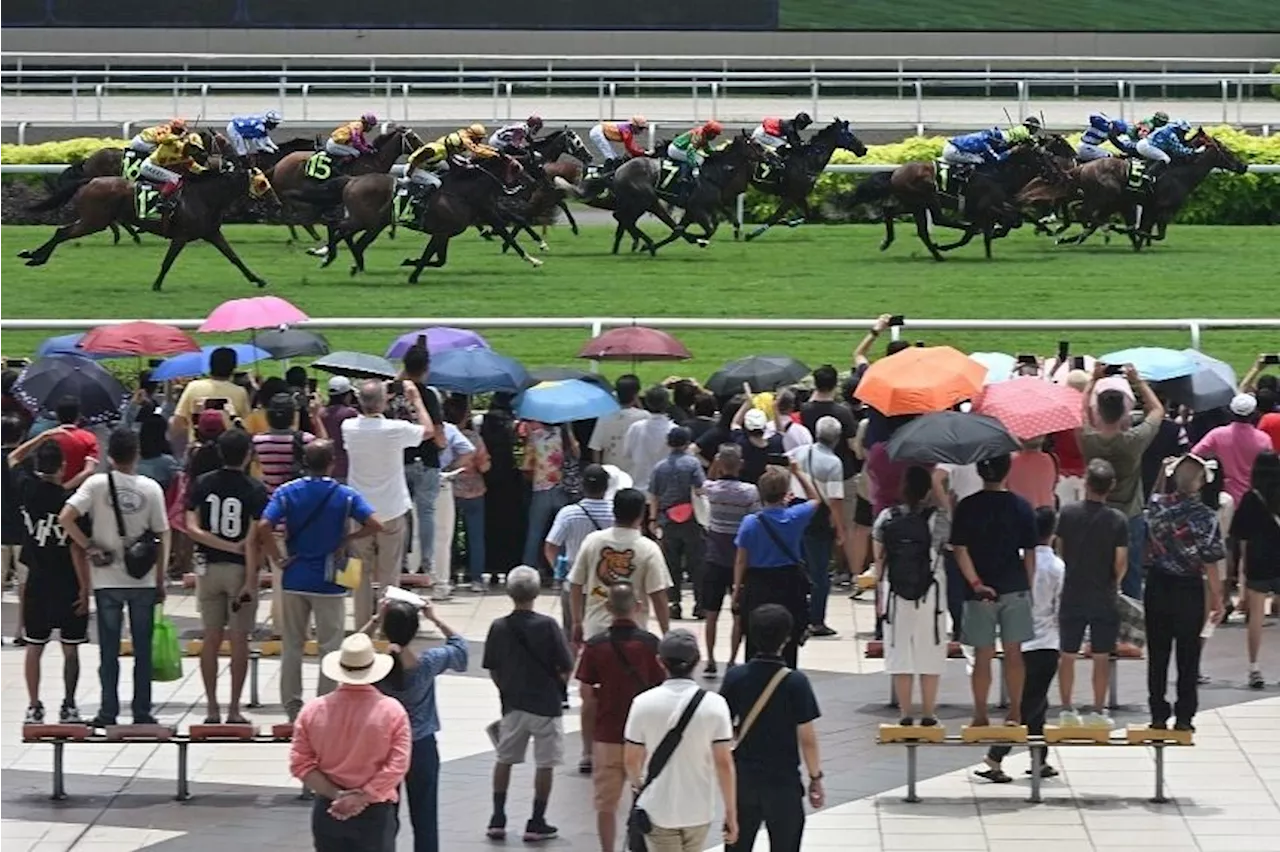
(357, 365)
(44, 383)
(291, 343)
(762, 372)
(1030, 407)
(139, 338)
(440, 338)
(68, 344)
(197, 363)
(634, 343)
(564, 401)
(919, 380)
(951, 437)
(560, 374)
(999, 366)
(254, 312)
(1212, 385)
(1154, 363)
(477, 370)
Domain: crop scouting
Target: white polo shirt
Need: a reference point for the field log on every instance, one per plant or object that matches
(684, 793)
(375, 461)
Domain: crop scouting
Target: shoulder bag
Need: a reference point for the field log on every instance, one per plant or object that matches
(141, 554)
(638, 823)
(542, 663)
(763, 701)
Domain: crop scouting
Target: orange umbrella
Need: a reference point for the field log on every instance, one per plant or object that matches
(920, 380)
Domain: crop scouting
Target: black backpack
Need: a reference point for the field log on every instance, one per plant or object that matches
(908, 553)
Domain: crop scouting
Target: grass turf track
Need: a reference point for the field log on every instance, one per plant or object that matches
(817, 271)
(982, 15)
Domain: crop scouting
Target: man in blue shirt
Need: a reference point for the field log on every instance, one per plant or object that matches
(315, 510)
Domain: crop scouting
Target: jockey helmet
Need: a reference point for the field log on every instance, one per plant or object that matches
(534, 123)
(1160, 118)
(271, 117)
(1182, 124)
(712, 128)
(193, 140)
(369, 119)
(1032, 124)
(178, 126)
(638, 121)
(476, 131)
(803, 120)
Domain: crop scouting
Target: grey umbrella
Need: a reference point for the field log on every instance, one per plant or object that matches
(951, 437)
(357, 365)
(291, 343)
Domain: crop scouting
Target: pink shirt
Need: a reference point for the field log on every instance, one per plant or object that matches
(1032, 476)
(356, 737)
(1235, 446)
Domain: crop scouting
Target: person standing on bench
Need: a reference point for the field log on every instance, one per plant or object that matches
(1094, 542)
(1183, 551)
(994, 537)
(1040, 654)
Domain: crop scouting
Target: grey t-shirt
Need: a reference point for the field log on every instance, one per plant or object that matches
(1124, 451)
(1090, 533)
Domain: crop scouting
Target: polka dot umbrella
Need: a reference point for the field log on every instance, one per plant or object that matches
(1029, 406)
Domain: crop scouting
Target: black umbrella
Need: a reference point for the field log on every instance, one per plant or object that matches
(44, 383)
(951, 437)
(291, 343)
(562, 374)
(762, 372)
(357, 365)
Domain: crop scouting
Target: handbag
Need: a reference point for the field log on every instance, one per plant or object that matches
(141, 554)
(166, 652)
(570, 469)
(763, 701)
(638, 823)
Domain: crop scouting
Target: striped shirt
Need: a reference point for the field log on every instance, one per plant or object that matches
(275, 456)
(729, 501)
(578, 520)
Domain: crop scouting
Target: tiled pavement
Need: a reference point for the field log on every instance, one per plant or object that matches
(1227, 789)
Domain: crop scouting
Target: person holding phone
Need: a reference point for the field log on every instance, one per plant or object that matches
(758, 447)
(219, 385)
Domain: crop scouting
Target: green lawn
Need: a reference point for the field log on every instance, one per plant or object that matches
(1082, 15)
(818, 271)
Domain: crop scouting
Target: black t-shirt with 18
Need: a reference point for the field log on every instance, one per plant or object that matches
(229, 502)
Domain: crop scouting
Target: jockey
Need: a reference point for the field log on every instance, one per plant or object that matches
(988, 146)
(468, 141)
(1123, 135)
(515, 138)
(172, 158)
(426, 163)
(1100, 129)
(1154, 122)
(146, 141)
(250, 134)
(348, 142)
(691, 147)
(607, 132)
(774, 133)
(1161, 146)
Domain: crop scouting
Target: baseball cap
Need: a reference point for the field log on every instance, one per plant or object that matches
(339, 384)
(1244, 404)
(282, 402)
(755, 421)
(595, 477)
(679, 436)
(210, 424)
(679, 646)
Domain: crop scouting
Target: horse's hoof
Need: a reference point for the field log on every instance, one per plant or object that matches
(884, 246)
(34, 262)
(533, 261)
(26, 253)
(413, 279)
(318, 251)
(701, 243)
(542, 246)
(409, 261)
(355, 270)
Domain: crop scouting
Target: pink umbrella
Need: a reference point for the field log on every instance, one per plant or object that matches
(251, 313)
(634, 343)
(1030, 406)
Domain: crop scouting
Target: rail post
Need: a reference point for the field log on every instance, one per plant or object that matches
(814, 89)
(125, 127)
(1120, 96)
(75, 98)
(596, 328)
(176, 96)
(694, 88)
(22, 132)
(600, 99)
(388, 96)
(613, 100)
(741, 205)
(97, 101)
(306, 90)
(1194, 327)
(1226, 98)
(508, 84)
(281, 92)
(919, 87)
(1022, 97)
(204, 99)
(494, 87)
(715, 91)
(404, 100)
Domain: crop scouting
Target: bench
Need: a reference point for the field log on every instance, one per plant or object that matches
(914, 737)
(61, 736)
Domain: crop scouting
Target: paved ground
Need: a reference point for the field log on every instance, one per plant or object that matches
(1227, 789)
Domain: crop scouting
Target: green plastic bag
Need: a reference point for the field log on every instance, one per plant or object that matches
(166, 654)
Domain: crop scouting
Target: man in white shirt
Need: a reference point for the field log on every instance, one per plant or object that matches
(680, 799)
(142, 509)
(646, 441)
(611, 430)
(375, 467)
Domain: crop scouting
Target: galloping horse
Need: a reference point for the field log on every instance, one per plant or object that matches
(200, 207)
(539, 195)
(724, 176)
(795, 178)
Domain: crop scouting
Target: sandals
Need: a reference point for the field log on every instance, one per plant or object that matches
(995, 776)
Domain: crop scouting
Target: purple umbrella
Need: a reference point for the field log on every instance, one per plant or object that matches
(440, 338)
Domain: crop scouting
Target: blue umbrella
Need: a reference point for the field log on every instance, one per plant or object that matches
(68, 344)
(564, 401)
(1212, 385)
(1000, 366)
(1154, 363)
(197, 363)
(475, 369)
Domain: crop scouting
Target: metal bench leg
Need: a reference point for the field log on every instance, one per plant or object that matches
(253, 680)
(59, 780)
(1113, 690)
(911, 773)
(1160, 798)
(1004, 692)
(1037, 764)
(183, 792)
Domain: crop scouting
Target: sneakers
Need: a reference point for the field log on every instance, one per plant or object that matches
(1256, 681)
(69, 715)
(821, 631)
(146, 720)
(477, 588)
(497, 829)
(676, 613)
(1184, 725)
(1098, 719)
(710, 670)
(538, 830)
(1069, 718)
(35, 715)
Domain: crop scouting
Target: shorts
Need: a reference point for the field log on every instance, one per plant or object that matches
(1104, 631)
(608, 776)
(217, 590)
(50, 605)
(1264, 586)
(13, 565)
(862, 513)
(717, 581)
(915, 635)
(514, 731)
(1009, 616)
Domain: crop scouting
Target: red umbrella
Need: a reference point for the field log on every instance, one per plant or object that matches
(1030, 407)
(634, 343)
(138, 338)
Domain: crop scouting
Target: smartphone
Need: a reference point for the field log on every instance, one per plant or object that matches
(1064, 349)
(312, 384)
(780, 459)
(17, 363)
(1271, 359)
(1114, 369)
(897, 319)
(1029, 360)
(215, 403)
(1077, 362)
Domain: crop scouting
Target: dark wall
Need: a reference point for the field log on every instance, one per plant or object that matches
(393, 14)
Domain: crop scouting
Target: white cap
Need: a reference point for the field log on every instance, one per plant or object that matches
(1244, 404)
(755, 421)
(339, 384)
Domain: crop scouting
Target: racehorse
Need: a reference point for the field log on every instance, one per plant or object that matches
(795, 178)
(987, 198)
(289, 174)
(1103, 187)
(723, 177)
(539, 195)
(199, 208)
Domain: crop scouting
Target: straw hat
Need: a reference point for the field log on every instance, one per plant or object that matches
(356, 662)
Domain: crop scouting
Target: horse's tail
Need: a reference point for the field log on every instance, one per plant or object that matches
(324, 194)
(874, 189)
(69, 183)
